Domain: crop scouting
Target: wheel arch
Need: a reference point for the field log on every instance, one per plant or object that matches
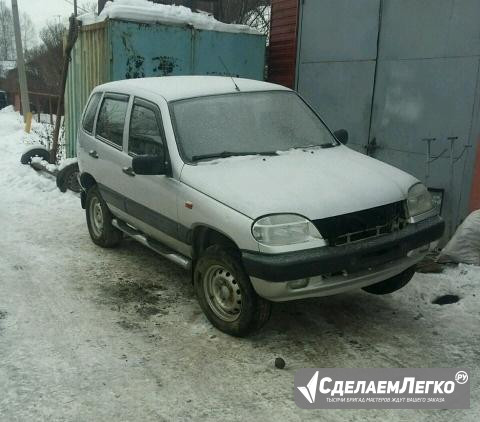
(86, 182)
(204, 236)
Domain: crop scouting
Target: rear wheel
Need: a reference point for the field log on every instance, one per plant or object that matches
(392, 284)
(99, 221)
(226, 295)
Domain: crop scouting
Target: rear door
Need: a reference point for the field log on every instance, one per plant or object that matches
(86, 148)
(108, 149)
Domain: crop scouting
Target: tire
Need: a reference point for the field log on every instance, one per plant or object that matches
(233, 308)
(99, 221)
(67, 178)
(35, 152)
(392, 284)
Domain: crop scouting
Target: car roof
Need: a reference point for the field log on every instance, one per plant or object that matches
(174, 88)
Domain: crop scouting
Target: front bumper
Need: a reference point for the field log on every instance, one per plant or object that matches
(373, 260)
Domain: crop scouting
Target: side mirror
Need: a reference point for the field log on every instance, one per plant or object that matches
(149, 165)
(342, 136)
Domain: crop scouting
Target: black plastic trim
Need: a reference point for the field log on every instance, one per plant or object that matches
(152, 218)
(354, 257)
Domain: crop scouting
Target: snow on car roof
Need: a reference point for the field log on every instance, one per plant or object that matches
(148, 12)
(179, 87)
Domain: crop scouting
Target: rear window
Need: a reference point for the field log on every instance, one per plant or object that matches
(89, 117)
(111, 119)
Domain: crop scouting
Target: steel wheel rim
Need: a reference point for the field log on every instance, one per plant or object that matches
(223, 293)
(96, 214)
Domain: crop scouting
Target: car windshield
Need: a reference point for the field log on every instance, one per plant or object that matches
(246, 123)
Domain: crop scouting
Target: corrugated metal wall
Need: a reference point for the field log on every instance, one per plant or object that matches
(283, 42)
(90, 66)
(141, 50)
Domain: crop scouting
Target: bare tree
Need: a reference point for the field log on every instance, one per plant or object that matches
(7, 43)
(43, 61)
(258, 18)
(88, 6)
(240, 11)
(255, 13)
(52, 35)
(29, 35)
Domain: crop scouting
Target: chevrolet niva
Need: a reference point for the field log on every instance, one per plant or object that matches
(241, 182)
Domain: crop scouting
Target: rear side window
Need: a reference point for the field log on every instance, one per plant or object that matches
(145, 136)
(89, 117)
(111, 119)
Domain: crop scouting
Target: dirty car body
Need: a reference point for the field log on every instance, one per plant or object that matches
(241, 182)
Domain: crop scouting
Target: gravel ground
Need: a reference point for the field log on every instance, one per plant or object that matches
(90, 334)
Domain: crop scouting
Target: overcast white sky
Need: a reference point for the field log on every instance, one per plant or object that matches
(41, 11)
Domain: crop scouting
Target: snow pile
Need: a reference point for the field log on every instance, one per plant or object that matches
(19, 181)
(148, 12)
(465, 244)
(7, 109)
(44, 163)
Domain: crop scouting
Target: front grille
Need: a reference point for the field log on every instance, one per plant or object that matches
(360, 225)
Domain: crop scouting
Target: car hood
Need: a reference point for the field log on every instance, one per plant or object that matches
(315, 183)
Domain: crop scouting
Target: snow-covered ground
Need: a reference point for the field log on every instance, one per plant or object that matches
(91, 334)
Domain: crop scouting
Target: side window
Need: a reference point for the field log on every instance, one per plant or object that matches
(111, 119)
(89, 116)
(145, 136)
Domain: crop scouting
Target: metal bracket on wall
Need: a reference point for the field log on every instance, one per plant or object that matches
(429, 156)
(371, 147)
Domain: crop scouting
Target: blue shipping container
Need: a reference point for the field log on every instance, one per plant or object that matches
(118, 49)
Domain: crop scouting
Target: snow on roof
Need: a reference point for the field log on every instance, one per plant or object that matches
(179, 87)
(147, 12)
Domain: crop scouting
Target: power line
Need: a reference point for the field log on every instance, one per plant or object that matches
(80, 7)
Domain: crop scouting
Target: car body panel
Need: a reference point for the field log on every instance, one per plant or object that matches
(315, 183)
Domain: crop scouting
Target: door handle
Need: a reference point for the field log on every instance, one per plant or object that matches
(128, 171)
(93, 153)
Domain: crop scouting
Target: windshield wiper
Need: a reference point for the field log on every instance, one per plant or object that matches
(323, 146)
(226, 154)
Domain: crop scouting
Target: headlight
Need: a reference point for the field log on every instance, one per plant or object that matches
(284, 229)
(419, 200)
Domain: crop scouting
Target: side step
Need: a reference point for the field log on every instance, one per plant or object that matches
(155, 246)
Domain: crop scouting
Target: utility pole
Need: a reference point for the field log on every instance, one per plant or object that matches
(71, 39)
(22, 77)
(75, 9)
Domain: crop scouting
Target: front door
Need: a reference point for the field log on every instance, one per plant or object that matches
(150, 200)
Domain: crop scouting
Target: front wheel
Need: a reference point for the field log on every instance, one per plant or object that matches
(99, 221)
(392, 284)
(226, 295)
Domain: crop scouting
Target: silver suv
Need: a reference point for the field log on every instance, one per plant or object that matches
(241, 183)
